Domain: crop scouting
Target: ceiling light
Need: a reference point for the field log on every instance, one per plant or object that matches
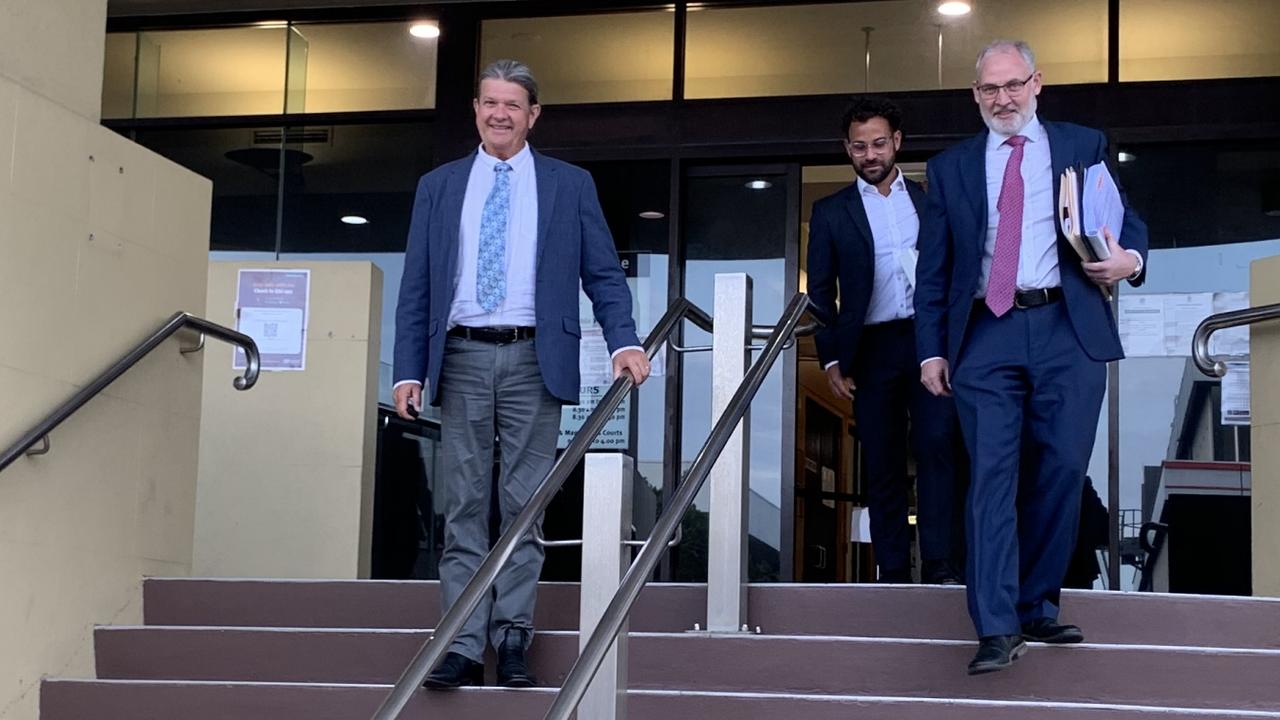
(426, 30)
(652, 215)
(759, 184)
(1125, 157)
(268, 24)
(954, 7)
(355, 219)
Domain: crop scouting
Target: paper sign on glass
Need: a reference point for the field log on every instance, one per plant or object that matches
(272, 307)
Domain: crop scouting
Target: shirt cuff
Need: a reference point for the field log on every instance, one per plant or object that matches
(926, 361)
(614, 354)
(405, 382)
(828, 365)
(1138, 256)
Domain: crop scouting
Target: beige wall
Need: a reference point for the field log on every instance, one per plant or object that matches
(1264, 378)
(286, 469)
(100, 241)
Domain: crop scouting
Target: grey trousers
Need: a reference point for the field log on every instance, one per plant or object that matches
(488, 390)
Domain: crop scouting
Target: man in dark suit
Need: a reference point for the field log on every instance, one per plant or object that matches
(1008, 316)
(488, 320)
(862, 246)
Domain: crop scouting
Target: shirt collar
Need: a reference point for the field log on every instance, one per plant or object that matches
(516, 161)
(1033, 131)
(899, 184)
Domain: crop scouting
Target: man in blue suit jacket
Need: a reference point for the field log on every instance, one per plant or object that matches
(488, 320)
(860, 243)
(1008, 315)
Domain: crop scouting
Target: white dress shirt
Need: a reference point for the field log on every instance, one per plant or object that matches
(516, 308)
(895, 227)
(1038, 257)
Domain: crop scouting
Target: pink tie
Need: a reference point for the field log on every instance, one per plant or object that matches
(1004, 261)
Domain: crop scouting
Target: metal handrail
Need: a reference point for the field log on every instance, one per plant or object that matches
(430, 654)
(1221, 321)
(606, 632)
(178, 321)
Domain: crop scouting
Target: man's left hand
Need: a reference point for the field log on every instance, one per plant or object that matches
(1119, 266)
(633, 362)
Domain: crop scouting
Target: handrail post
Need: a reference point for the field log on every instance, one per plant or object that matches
(606, 522)
(727, 533)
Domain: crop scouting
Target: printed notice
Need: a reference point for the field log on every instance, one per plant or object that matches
(1235, 394)
(616, 434)
(1142, 330)
(272, 307)
(1231, 342)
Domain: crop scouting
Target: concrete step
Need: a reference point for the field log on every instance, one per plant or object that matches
(1124, 674)
(158, 700)
(888, 611)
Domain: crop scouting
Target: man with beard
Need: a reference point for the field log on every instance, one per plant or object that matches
(1008, 316)
(862, 245)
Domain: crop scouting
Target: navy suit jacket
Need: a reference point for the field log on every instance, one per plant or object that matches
(953, 233)
(842, 251)
(573, 244)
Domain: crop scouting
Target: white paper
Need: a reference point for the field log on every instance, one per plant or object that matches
(1142, 325)
(616, 434)
(594, 363)
(1182, 314)
(908, 258)
(1235, 394)
(860, 526)
(1102, 207)
(277, 331)
(1232, 342)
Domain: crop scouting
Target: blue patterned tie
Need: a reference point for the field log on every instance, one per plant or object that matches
(491, 277)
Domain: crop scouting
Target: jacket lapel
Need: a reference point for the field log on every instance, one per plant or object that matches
(545, 173)
(1061, 157)
(918, 197)
(858, 213)
(455, 191)
(973, 171)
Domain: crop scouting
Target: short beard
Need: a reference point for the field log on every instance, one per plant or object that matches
(887, 170)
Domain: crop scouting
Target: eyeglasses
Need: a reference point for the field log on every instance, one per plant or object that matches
(859, 149)
(1013, 87)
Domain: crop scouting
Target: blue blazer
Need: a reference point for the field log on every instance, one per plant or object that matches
(842, 251)
(573, 244)
(953, 233)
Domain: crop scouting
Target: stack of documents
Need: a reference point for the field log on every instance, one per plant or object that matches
(1085, 209)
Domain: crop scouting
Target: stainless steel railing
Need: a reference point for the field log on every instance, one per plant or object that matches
(1221, 321)
(606, 632)
(482, 582)
(178, 321)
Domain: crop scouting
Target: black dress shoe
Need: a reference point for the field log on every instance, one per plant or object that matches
(1047, 631)
(939, 572)
(455, 671)
(513, 670)
(996, 652)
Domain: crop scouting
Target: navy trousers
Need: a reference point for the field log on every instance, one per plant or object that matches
(1023, 386)
(887, 377)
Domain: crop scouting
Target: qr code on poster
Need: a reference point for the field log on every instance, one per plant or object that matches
(270, 330)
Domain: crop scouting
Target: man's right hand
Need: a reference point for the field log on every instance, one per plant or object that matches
(935, 375)
(840, 385)
(406, 396)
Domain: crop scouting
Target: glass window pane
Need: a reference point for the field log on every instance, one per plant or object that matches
(233, 71)
(887, 45)
(117, 75)
(1190, 39)
(365, 66)
(244, 166)
(589, 58)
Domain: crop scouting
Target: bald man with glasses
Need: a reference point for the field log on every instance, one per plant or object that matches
(1009, 319)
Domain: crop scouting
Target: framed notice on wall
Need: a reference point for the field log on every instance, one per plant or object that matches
(272, 307)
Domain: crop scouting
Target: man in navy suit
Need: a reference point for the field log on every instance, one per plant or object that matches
(487, 321)
(1008, 316)
(862, 246)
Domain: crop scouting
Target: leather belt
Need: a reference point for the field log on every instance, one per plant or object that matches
(495, 335)
(1024, 299)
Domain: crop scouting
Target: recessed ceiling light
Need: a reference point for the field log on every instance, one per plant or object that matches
(426, 30)
(759, 184)
(1125, 157)
(652, 215)
(268, 24)
(954, 8)
(355, 219)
